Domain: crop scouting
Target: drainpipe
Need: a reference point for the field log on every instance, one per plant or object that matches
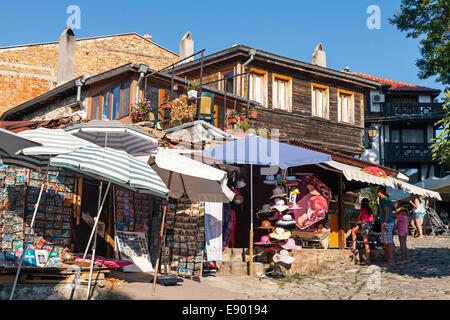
(252, 53)
(142, 71)
(79, 83)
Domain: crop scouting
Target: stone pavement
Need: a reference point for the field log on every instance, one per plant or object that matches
(425, 277)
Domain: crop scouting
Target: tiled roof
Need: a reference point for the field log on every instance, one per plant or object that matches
(396, 85)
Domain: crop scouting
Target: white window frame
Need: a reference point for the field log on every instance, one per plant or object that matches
(322, 111)
(278, 82)
(262, 75)
(346, 114)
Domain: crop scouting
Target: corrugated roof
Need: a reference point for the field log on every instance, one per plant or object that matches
(396, 85)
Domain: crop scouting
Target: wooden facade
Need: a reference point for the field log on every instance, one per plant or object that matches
(296, 120)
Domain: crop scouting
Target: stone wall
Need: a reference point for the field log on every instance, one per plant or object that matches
(29, 71)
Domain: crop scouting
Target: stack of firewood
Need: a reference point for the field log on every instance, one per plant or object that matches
(182, 111)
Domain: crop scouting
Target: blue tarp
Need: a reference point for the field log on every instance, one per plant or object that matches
(265, 152)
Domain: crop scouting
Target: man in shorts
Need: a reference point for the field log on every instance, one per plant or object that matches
(387, 224)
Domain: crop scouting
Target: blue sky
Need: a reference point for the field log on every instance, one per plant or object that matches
(287, 28)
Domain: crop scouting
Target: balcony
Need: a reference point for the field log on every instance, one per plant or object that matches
(408, 152)
(413, 110)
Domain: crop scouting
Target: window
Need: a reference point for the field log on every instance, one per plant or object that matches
(281, 92)
(395, 136)
(112, 103)
(413, 136)
(228, 84)
(346, 106)
(258, 86)
(320, 101)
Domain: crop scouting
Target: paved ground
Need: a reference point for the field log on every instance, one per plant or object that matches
(426, 276)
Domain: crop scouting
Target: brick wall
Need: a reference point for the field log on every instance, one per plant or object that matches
(29, 71)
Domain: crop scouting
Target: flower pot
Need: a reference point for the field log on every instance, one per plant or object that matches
(192, 94)
(252, 114)
(232, 120)
(242, 116)
(166, 105)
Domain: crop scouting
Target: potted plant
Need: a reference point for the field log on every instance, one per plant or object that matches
(242, 115)
(233, 117)
(139, 110)
(191, 89)
(167, 102)
(252, 113)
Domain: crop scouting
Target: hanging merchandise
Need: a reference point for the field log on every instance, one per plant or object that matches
(265, 224)
(287, 220)
(270, 180)
(280, 206)
(280, 234)
(278, 193)
(133, 246)
(132, 211)
(291, 181)
(283, 257)
(229, 225)
(240, 183)
(213, 230)
(185, 238)
(265, 241)
(290, 245)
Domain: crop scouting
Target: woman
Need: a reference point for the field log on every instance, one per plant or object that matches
(366, 218)
(387, 224)
(420, 210)
(402, 218)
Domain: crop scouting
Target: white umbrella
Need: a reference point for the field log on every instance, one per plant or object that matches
(11, 142)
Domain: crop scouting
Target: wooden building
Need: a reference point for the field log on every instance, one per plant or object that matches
(309, 102)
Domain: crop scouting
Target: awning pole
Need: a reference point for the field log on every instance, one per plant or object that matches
(97, 219)
(94, 244)
(22, 257)
(155, 272)
(251, 221)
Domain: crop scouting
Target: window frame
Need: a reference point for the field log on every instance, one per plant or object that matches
(222, 83)
(327, 100)
(101, 93)
(288, 95)
(351, 95)
(264, 85)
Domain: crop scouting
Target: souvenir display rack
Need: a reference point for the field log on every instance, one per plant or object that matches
(132, 211)
(185, 238)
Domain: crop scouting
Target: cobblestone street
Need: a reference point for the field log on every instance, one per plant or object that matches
(425, 277)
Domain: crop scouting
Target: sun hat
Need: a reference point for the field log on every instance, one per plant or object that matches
(278, 193)
(240, 183)
(266, 208)
(284, 257)
(265, 224)
(280, 206)
(286, 221)
(238, 199)
(280, 234)
(291, 181)
(279, 180)
(290, 245)
(265, 240)
(270, 180)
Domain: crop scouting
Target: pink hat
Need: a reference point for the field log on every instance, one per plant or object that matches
(290, 244)
(265, 241)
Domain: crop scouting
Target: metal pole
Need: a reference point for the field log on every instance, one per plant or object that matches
(155, 272)
(94, 244)
(251, 220)
(77, 276)
(22, 257)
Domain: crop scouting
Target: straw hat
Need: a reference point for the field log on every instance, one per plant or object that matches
(240, 183)
(286, 221)
(265, 224)
(278, 193)
(280, 234)
(290, 245)
(284, 257)
(270, 180)
(265, 209)
(265, 241)
(280, 206)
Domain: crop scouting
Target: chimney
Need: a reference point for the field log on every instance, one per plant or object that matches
(66, 56)
(186, 47)
(319, 57)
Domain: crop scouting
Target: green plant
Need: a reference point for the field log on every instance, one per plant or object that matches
(140, 108)
(191, 86)
(243, 124)
(441, 145)
(168, 99)
(233, 114)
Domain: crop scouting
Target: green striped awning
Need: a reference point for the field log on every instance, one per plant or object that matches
(113, 165)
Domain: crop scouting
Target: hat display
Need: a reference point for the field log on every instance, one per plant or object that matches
(291, 181)
(279, 180)
(280, 234)
(265, 241)
(287, 220)
(284, 257)
(280, 206)
(277, 193)
(290, 245)
(265, 224)
(270, 180)
(265, 209)
(240, 183)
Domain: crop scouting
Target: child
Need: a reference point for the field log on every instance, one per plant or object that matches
(402, 218)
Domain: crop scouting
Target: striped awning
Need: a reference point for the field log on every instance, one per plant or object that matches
(117, 166)
(116, 135)
(53, 142)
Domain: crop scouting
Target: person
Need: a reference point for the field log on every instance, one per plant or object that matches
(444, 216)
(366, 218)
(402, 227)
(387, 224)
(420, 210)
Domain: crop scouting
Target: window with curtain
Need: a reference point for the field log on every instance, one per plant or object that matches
(413, 136)
(258, 88)
(320, 101)
(346, 109)
(281, 94)
(112, 103)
